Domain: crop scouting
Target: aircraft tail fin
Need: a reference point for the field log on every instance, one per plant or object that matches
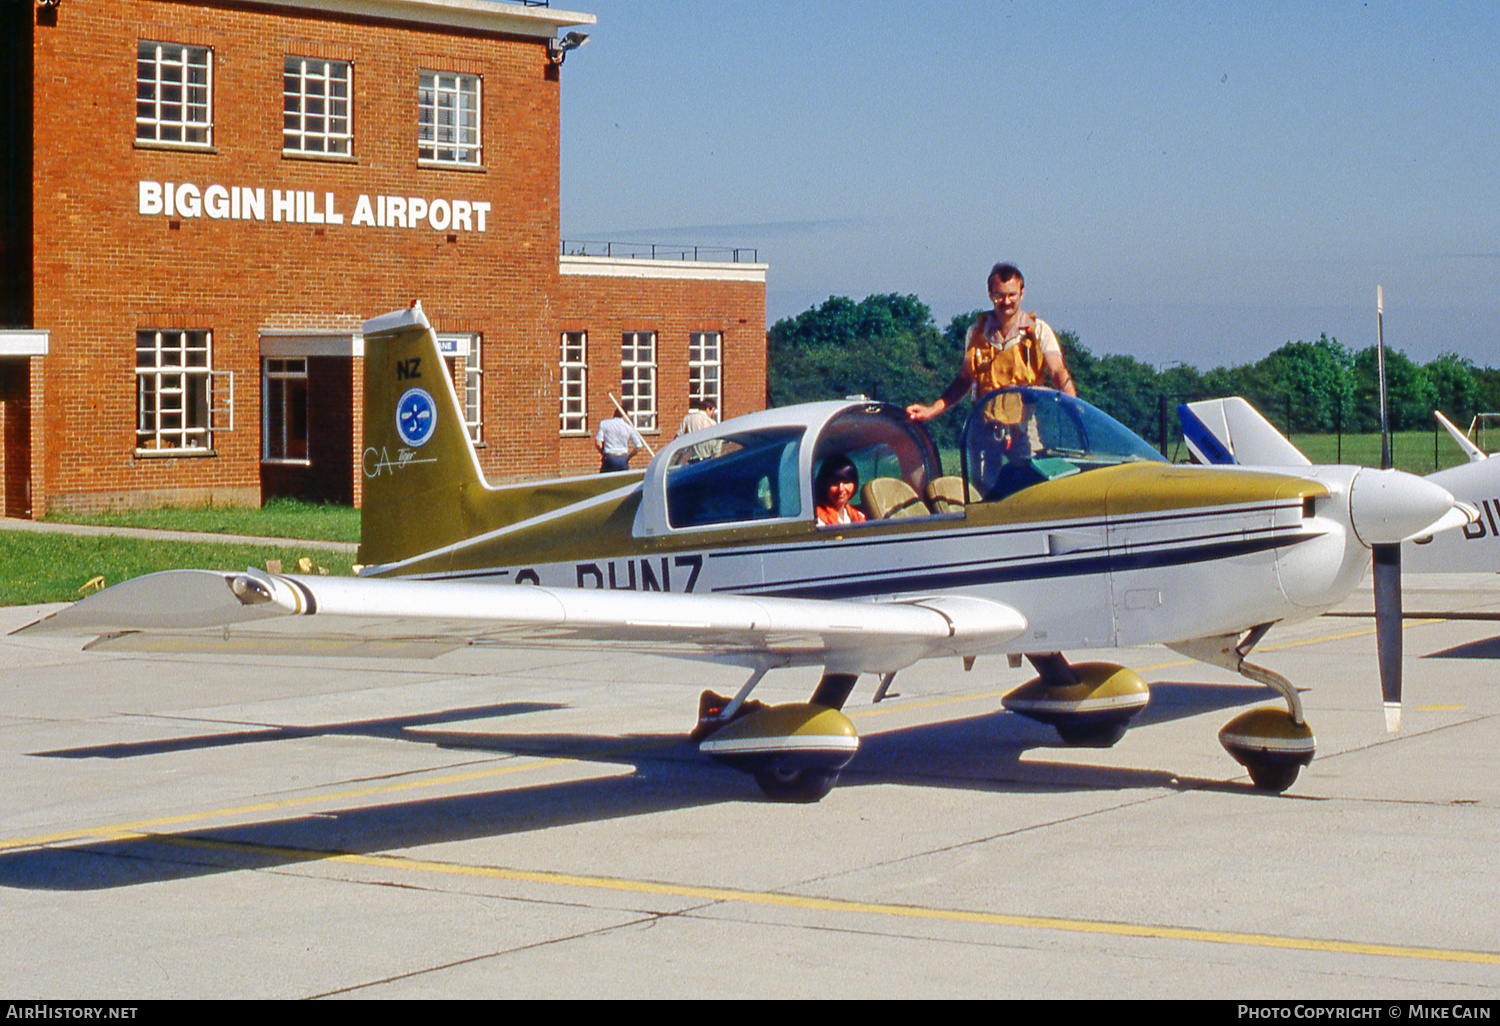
(420, 469)
(1232, 431)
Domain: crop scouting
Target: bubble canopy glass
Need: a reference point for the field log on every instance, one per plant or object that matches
(1018, 437)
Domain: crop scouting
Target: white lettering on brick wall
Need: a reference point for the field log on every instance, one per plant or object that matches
(187, 200)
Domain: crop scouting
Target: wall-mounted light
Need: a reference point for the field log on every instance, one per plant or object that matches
(557, 49)
(49, 4)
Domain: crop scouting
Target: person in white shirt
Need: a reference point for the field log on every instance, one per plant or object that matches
(617, 441)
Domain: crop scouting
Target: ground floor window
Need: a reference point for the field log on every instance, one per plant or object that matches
(284, 410)
(638, 377)
(573, 382)
(705, 369)
(173, 386)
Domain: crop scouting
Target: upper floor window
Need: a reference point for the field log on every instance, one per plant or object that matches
(173, 386)
(573, 380)
(638, 377)
(315, 106)
(448, 118)
(705, 369)
(174, 93)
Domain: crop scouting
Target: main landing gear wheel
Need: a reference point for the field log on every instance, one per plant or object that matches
(1089, 704)
(1092, 735)
(795, 752)
(1271, 745)
(795, 785)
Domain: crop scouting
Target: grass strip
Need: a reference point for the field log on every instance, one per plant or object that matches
(278, 518)
(60, 568)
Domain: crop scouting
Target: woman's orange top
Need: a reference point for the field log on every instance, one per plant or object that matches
(829, 515)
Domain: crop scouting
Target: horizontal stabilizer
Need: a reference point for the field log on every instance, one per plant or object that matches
(1232, 431)
(1472, 451)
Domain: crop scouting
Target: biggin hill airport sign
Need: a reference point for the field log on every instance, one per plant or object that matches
(186, 201)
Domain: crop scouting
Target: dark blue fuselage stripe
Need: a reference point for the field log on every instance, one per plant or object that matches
(994, 563)
(1094, 565)
(970, 534)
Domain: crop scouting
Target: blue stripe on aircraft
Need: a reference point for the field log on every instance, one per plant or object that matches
(1118, 562)
(1194, 430)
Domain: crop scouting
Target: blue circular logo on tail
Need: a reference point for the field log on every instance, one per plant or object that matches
(416, 417)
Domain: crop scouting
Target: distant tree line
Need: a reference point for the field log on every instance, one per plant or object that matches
(888, 347)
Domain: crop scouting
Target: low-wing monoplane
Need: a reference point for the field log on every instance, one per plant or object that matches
(1060, 530)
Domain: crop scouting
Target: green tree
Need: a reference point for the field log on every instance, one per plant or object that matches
(1313, 382)
(1128, 390)
(1487, 389)
(1408, 391)
(875, 347)
(1455, 387)
(1080, 361)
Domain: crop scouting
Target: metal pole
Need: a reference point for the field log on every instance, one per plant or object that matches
(1385, 425)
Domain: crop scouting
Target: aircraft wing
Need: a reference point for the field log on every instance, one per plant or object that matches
(269, 613)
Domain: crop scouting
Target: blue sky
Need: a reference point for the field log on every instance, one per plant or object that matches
(1180, 181)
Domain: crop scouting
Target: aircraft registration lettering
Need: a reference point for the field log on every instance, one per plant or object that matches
(1477, 530)
(377, 461)
(638, 574)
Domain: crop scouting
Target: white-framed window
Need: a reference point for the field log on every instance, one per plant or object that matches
(705, 368)
(284, 410)
(173, 386)
(573, 383)
(469, 385)
(638, 377)
(448, 118)
(174, 92)
(315, 110)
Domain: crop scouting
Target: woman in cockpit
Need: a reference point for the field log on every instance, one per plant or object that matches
(834, 487)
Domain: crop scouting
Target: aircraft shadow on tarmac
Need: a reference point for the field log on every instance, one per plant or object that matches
(393, 727)
(983, 753)
(1486, 648)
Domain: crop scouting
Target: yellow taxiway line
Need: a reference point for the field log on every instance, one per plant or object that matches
(116, 831)
(774, 899)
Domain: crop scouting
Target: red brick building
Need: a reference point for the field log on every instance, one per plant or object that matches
(201, 202)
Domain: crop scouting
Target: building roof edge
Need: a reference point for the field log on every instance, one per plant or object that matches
(541, 22)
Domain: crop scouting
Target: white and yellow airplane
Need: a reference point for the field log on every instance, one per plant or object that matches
(1063, 531)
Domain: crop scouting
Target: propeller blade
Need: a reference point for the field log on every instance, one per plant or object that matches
(1387, 581)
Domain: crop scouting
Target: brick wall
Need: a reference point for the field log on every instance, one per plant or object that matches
(109, 269)
(103, 269)
(607, 307)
